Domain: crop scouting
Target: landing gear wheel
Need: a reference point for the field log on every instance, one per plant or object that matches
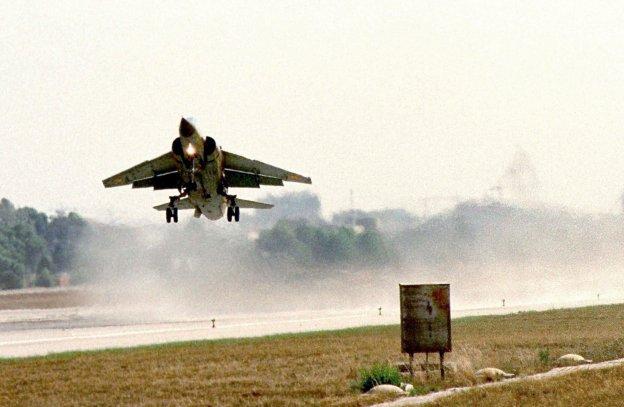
(169, 215)
(236, 213)
(174, 215)
(230, 213)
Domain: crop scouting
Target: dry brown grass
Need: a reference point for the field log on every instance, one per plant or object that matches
(315, 368)
(594, 388)
(44, 298)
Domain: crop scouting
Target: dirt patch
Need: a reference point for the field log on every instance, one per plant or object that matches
(43, 298)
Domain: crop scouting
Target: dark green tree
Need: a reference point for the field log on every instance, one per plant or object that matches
(34, 247)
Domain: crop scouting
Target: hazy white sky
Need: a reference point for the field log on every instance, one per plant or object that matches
(395, 100)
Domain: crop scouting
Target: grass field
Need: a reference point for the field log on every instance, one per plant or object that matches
(596, 388)
(314, 368)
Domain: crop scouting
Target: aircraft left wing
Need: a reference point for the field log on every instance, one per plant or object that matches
(239, 163)
(238, 179)
(159, 165)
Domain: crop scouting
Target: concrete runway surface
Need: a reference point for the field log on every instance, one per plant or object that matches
(30, 332)
(39, 332)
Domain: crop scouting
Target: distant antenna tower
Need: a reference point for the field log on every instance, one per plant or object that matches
(519, 183)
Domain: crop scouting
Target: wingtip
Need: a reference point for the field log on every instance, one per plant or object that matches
(115, 181)
(298, 178)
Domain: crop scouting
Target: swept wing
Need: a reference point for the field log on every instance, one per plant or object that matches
(166, 163)
(239, 179)
(242, 164)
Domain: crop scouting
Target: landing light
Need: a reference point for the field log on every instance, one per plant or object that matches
(190, 150)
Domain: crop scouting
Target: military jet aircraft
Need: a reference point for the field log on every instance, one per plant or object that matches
(203, 173)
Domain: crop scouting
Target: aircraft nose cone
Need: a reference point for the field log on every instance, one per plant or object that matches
(186, 128)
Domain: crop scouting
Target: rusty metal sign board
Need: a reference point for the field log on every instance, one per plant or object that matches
(425, 318)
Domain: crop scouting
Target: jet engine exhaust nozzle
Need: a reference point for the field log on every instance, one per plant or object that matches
(210, 146)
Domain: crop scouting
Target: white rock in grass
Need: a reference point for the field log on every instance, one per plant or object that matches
(493, 374)
(386, 389)
(407, 387)
(572, 359)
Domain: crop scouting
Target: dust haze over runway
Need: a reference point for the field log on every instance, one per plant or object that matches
(157, 284)
(164, 283)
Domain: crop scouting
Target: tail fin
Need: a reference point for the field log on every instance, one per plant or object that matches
(183, 204)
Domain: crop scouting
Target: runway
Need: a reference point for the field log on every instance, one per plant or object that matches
(31, 332)
(40, 332)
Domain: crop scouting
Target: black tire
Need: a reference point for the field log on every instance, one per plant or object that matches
(175, 215)
(168, 215)
(236, 213)
(229, 214)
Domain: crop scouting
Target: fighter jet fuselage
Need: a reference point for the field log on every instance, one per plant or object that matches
(202, 172)
(200, 164)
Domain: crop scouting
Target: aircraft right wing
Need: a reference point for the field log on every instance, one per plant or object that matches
(239, 163)
(147, 169)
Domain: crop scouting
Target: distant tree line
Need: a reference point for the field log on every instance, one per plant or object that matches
(324, 244)
(34, 247)
(497, 233)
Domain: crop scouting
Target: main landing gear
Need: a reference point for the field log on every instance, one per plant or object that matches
(233, 211)
(172, 211)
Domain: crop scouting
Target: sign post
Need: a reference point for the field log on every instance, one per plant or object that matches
(425, 321)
